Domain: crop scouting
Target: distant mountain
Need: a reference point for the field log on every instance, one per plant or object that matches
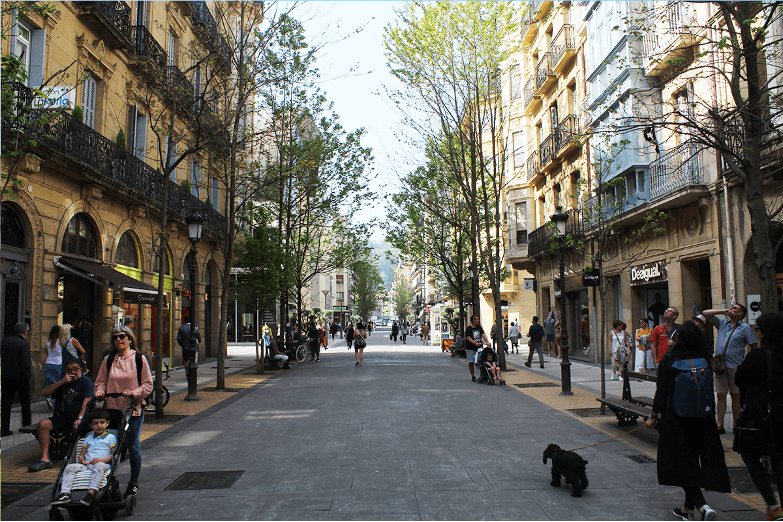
(385, 265)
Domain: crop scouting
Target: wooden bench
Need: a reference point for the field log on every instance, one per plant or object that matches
(629, 408)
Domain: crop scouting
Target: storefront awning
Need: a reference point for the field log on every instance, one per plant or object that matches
(134, 290)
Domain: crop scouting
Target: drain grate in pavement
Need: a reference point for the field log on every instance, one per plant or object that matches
(641, 459)
(537, 385)
(586, 412)
(197, 480)
(214, 388)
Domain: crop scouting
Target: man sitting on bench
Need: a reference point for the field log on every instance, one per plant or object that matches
(275, 355)
(71, 395)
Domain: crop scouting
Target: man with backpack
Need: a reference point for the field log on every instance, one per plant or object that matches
(536, 336)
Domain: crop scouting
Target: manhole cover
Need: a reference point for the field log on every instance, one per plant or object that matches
(586, 412)
(214, 388)
(196, 480)
(537, 385)
(16, 491)
(641, 459)
(740, 481)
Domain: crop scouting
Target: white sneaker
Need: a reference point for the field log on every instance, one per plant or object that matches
(708, 513)
(619, 377)
(614, 376)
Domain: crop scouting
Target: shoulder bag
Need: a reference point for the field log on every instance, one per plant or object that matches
(718, 364)
(359, 341)
(756, 436)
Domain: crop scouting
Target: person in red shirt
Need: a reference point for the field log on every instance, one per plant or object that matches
(663, 334)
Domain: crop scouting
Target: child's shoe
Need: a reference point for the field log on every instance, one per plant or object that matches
(88, 498)
(62, 498)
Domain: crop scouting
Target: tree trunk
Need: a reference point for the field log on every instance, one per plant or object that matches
(762, 245)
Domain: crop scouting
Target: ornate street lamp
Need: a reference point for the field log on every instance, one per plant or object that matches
(560, 218)
(195, 224)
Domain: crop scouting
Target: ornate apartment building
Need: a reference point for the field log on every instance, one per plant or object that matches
(86, 205)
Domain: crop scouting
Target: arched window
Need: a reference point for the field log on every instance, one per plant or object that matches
(79, 239)
(12, 233)
(156, 267)
(127, 254)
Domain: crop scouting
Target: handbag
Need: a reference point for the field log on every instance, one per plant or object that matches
(718, 364)
(756, 436)
(359, 341)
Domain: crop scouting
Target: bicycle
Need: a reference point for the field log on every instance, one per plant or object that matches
(151, 398)
(302, 353)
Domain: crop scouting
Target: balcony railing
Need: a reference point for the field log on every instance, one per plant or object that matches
(179, 87)
(532, 165)
(668, 25)
(540, 241)
(543, 70)
(567, 132)
(114, 16)
(563, 43)
(145, 48)
(202, 17)
(675, 169)
(546, 152)
(530, 91)
(117, 166)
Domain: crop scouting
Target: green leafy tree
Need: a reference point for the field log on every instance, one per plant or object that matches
(366, 286)
(448, 56)
(403, 297)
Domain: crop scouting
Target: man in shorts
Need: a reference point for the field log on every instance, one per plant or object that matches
(474, 338)
(71, 395)
(734, 336)
(549, 331)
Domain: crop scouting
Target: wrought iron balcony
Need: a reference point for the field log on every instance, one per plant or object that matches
(671, 31)
(530, 20)
(563, 46)
(543, 240)
(179, 88)
(567, 133)
(546, 152)
(115, 167)
(544, 73)
(205, 25)
(530, 91)
(675, 169)
(111, 21)
(145, 48)
(532, 165)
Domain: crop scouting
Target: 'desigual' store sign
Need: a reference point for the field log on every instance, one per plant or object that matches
(649, 273)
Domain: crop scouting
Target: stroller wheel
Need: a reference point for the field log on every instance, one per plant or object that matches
(54, 514)
(130, 504)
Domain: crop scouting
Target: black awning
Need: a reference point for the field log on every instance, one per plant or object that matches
(95, 271)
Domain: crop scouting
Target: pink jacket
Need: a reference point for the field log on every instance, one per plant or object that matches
(123, 377)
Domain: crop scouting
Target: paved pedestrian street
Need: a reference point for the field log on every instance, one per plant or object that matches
(406, 436)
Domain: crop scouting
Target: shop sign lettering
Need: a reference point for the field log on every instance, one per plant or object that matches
(649, 273)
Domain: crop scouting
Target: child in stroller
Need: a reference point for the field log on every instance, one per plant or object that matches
(93, 491)
(486, 361)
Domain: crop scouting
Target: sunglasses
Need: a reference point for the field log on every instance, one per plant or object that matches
(118, 336)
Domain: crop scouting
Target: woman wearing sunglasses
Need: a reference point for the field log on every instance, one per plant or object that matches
(123, 377)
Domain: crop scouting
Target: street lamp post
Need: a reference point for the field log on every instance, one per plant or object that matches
(559, 218)
(195, 223)
(325, 292)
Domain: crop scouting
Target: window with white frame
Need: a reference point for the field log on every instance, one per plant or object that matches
(89, 96)
(137, 132)
(518, 142)
(516, 82)
(520, 218)
(215, 197)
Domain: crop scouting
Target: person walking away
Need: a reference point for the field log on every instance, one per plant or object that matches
(54, 360)
(359, 344)
(690, 453)
(549, 331)
(735, 339)
(183, 339)
(71, 393)
(370, 325)
(315, 342)
(333, 329)
(513, 335)
(349, 334)
(81, 331)
(425, 333)
(395, 331)
(404, 332)
(17, 368)
(536, 336)
(619, 349)
(126, 371)
(70, 346)
(643, 362)
(664, 334)
(474, 340)
(753, 379)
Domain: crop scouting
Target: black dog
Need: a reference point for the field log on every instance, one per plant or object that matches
(569, 465)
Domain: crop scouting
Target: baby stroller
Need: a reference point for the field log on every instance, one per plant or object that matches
(480, 361)
(108, 500)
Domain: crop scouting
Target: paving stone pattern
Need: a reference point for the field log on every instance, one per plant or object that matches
(406, 436)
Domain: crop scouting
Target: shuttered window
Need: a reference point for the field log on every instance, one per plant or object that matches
(89, 91)
(79, 238)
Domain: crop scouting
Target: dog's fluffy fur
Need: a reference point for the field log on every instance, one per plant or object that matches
(569, 465)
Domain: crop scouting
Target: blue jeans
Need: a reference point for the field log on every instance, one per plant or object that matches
(315, 349)
(134, 446)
